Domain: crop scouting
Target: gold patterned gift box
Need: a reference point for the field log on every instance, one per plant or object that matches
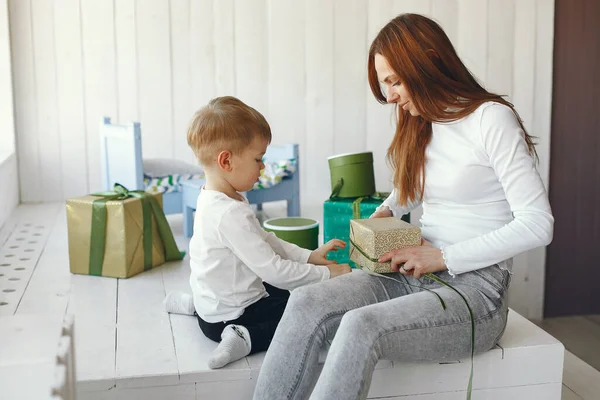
(118, 234)
(371, 238)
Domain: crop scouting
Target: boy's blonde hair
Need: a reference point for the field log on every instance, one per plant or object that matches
(225, 123)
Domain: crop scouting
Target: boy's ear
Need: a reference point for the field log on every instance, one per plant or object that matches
(224, 160)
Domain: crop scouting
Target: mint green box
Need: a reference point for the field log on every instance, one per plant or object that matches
(337, 214)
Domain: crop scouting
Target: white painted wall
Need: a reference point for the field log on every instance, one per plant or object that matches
(10, 187)
(7, 127)
(8, 169)
(300, 62)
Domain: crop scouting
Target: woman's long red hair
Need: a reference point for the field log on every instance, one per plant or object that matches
(441, 87)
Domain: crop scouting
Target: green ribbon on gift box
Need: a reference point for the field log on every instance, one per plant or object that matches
(150, 207)
(374, 196)
(336, 188)
(356, 207)
(438, 280)
(356, 203)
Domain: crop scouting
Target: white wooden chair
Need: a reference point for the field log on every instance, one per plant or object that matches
(122, 162)
(288, 189)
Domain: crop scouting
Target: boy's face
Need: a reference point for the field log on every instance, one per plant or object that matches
(247, 166)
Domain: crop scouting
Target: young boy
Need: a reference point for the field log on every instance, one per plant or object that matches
(231, 256)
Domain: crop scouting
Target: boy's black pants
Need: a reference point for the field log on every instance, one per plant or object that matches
(261, 319)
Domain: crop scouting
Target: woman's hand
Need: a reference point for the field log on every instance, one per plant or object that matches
(338, 269)
(418, 260)
(319, 256)
(383, 213)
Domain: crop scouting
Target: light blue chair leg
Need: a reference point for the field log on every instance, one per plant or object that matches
(259, 207)
(293, 206)
(188, 221)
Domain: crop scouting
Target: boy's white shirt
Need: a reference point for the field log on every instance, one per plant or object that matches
(231, 255)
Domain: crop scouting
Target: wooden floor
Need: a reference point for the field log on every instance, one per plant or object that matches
(579, 334)
(38, 239)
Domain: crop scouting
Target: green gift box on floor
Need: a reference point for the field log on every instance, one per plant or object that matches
(337, 214)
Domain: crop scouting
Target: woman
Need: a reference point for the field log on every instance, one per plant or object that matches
(463, 154)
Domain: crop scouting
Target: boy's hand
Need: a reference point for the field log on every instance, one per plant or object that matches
(383, 213)
(338, 269)
(319, 256)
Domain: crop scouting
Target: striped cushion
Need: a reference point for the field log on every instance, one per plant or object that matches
(273, 173)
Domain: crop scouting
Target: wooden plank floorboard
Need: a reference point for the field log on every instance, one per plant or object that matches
(581, 378)
(594, 318)
(579, 334)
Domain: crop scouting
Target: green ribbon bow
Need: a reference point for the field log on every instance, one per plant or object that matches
(438, 280)
(357, 201)
(336, 188)
(356, 204)
(150, 207)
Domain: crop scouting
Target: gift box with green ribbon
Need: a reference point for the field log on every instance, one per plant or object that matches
(337, 213)
(371, 238)
(118, 234)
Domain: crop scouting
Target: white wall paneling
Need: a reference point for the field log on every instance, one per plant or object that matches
(446, 13)
(319, 99)
(474, 21)
(500, 45)
(154, 76)
(180, 76)
(127, 59)
(8, 159)
(50, 179)
(10, 189)
(349, 75)
(286, 75)
(100, 82)
(380, 118)
(540, 127)
(7, 125)
(302, 63)
(69, 92)
(25, 101)
(251, 52)
(202, 53)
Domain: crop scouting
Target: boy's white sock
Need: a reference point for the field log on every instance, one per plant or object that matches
(179, 303)
(235, 344)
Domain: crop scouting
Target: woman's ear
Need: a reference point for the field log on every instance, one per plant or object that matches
(436, 60)
(433, 56)
(224, 160)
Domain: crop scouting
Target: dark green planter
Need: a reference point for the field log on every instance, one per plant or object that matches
(355, 172)
(303, 232)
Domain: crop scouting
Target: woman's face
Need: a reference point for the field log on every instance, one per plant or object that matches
(392, 87)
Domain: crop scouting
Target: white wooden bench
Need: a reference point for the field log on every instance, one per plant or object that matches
(127, 347)
(139, 351)
(36, 357)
